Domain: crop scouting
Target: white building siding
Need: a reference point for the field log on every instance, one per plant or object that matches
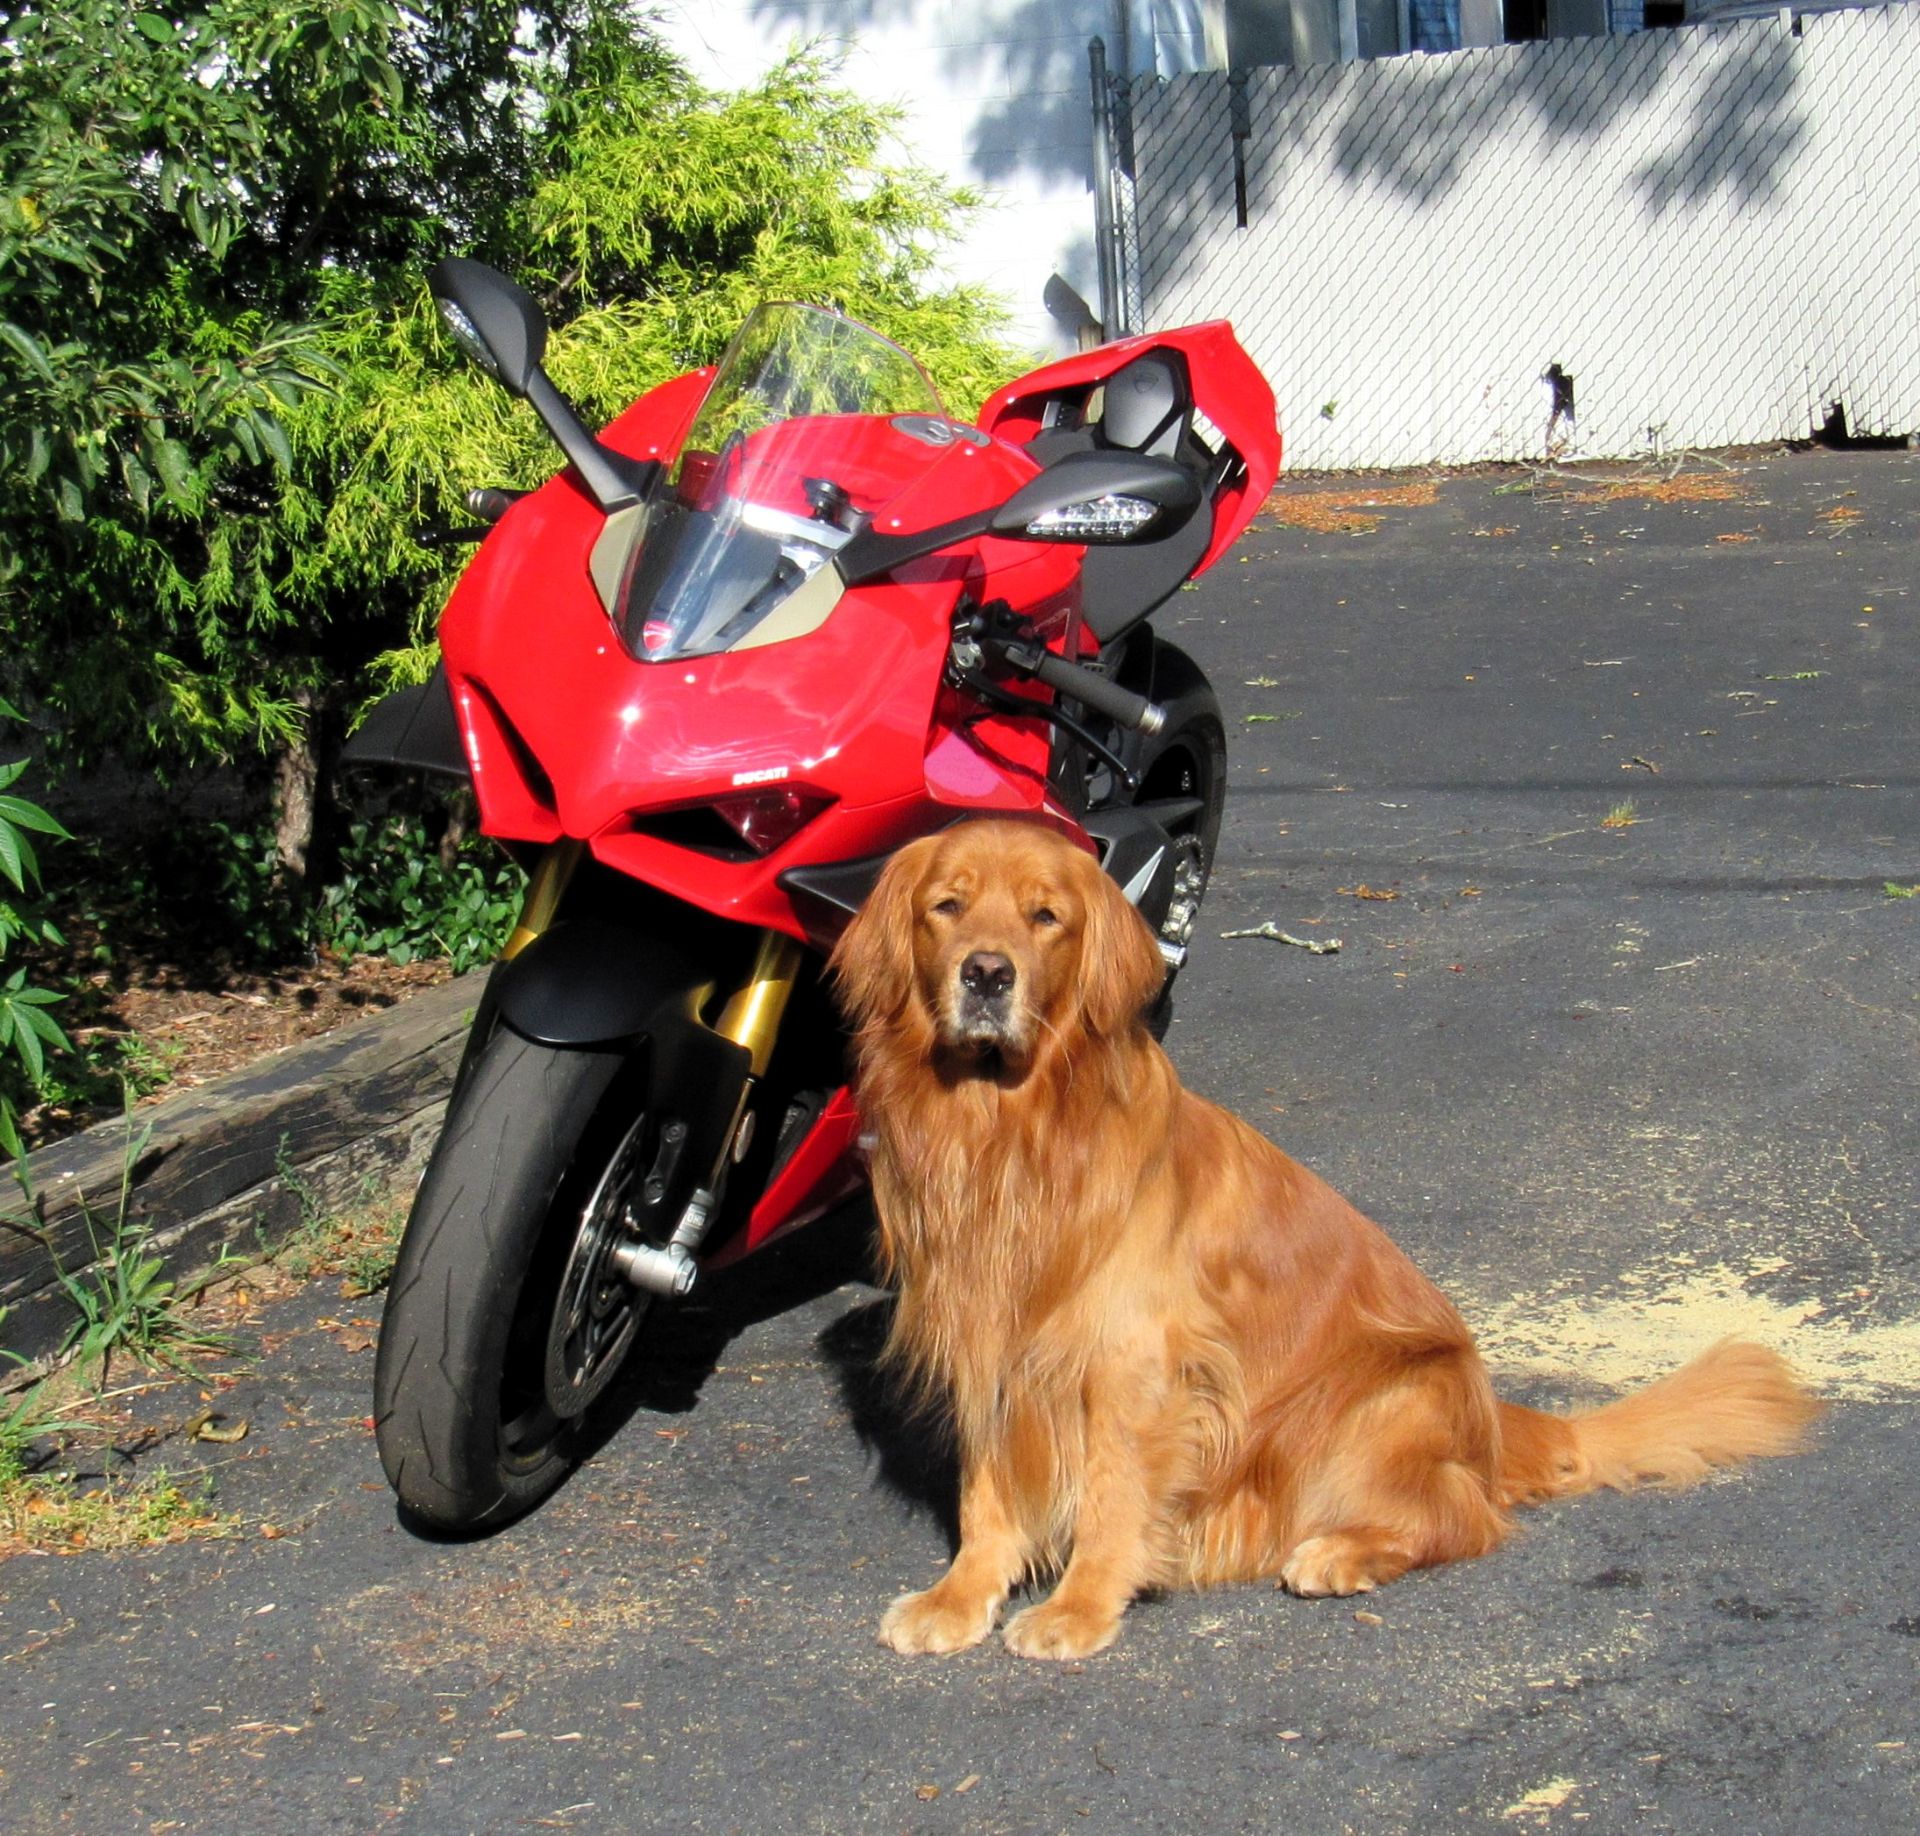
(996, 96)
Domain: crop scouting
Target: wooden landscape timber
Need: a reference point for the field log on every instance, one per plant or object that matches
(237, 1162)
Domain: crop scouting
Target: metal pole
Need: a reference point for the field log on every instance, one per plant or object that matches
(1103, 192)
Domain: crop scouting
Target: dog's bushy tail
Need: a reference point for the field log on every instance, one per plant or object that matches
(1734, 1402)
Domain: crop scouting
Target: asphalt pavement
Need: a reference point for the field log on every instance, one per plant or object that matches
(1601, 785)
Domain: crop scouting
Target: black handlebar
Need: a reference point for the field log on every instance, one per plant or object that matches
(1086, 686)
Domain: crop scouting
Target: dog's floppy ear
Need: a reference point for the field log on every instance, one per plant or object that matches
(873, 961)
(1121, 967)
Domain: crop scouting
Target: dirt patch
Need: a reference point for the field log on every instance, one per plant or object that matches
(1653, 488)
(1667, 1312)
(1351, 511)
(503, 1620)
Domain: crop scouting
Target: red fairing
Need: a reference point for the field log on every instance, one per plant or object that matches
(567, 734)
(1227, 388)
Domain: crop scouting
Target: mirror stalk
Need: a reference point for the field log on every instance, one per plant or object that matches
(613, 481)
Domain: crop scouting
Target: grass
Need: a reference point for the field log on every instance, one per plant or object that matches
(51, 1512)
(1621, 816)
(1896, 891)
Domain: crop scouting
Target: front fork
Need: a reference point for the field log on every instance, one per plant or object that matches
(750, 1019)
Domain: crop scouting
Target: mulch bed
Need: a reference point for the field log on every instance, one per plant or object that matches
(180, 1015)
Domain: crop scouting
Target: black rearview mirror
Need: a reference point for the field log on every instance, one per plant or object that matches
(1101, 497)
(496, 322)
(501, 327)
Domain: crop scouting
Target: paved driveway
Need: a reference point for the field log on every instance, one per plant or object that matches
(1621, 1089)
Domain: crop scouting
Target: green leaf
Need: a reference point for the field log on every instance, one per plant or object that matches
(16, 858)
(139, 480)
(172, 461)
(29, 350)
(25, 1043)
(195, 212)
(274, 438)
(25, 815)
(161, 31)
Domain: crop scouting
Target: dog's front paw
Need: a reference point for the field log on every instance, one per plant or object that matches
(1061, 1629)
(939, 1619)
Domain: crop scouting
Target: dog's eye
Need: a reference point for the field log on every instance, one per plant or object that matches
(1045, 916)
(948, 908)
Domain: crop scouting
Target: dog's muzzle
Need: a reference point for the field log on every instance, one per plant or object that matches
(984, 1010)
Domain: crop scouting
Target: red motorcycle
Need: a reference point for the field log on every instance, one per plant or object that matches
(777, 619)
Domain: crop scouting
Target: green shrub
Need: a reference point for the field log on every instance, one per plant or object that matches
(27, 1030)
(396, 898)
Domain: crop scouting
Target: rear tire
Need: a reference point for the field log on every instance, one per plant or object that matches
(1186, 758)
(534, 1141)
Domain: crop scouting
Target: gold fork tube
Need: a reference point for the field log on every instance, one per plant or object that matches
(545, 885)
(751, 1018)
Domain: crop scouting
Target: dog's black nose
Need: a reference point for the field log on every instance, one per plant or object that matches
(984, 973)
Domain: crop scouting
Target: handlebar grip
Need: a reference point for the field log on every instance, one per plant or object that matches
(491, 502)
(1096, 692)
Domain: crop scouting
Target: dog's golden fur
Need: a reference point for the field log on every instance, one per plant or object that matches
(1172, 1355)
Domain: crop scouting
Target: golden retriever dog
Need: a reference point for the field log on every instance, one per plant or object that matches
(1171, 1355)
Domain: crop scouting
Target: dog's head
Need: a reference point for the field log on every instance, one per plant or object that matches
(991, 938)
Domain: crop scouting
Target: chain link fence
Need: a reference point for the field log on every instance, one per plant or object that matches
(1587, 247)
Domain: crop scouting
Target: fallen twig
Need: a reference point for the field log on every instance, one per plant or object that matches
(1318, 946)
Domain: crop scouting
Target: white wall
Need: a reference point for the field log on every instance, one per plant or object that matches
(1716, 231)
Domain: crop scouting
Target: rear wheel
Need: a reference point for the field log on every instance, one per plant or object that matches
(1186, 759)
(506, 1320)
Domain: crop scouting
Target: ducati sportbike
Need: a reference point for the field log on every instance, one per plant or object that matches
(780, 617)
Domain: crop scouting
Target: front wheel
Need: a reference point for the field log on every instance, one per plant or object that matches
(505, 1319)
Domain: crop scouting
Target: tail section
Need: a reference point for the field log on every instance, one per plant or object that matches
(1734, 1402)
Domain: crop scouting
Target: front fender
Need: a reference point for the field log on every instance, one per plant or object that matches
(596, 984)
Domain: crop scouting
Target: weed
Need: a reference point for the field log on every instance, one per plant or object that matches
(1621, 816)
(105, 1063)
(359, 1246)
(24, 1418)
(396, 898)
(124, 1300)
(367, 1259)
(1896, 891)
(358, 1243)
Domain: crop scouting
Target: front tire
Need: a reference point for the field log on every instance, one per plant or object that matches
(492, 1309)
